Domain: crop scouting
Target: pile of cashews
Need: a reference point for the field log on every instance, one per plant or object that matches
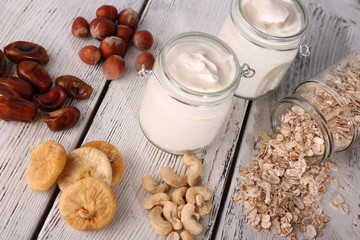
(184, 206)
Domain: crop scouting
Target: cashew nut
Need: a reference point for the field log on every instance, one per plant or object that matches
(170, 214)
(160, 225)
(171, 178)
(156, 199)
(195, 168)
(173, 236)
(179, 209)
(150, 185)
(203, 207)
(185, 235)
(177, 196)
(191, 193)
(188, 220)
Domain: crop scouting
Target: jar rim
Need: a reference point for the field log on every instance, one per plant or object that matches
(237, 5)
(197, 36)
(314, 114)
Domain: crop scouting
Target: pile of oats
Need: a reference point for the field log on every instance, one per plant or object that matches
(278, 189)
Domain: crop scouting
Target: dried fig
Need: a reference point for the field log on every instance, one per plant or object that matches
(87, 205)
(85, 162)
(16, 86)
(114, 156)
(51, 100)
(14, 108)
(62, 118)
(21, 50)
(47, 160)
(74, 87)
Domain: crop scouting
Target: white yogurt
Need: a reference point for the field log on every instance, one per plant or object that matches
(265, 34)
(184, 113)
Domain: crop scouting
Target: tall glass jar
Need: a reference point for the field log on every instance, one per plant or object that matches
(265, 51)
(177, 117)
(332, 99)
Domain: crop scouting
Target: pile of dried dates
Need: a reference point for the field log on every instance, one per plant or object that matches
(22, 96)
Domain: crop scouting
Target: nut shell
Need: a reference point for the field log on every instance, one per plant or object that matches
(112, 46)
(90, 54)
(22, 50)
(101, 27)
(107, 11)
(114, 156)
(113, 67)
(88, 204)
(143, 40)
(80, 27)
(145, 58)
(129, 17)
(124, 32)
(47, 160)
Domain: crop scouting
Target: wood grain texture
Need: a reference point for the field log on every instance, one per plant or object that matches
(47, 23)
(117, 122)
(333, 33)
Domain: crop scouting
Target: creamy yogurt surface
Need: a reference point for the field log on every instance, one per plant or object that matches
(200, 67)
(275, 17)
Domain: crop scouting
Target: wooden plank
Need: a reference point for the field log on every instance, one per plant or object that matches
(47, 23)
(117, 122)
(333, 33)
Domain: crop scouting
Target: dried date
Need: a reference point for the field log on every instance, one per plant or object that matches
(13, 108)
(16, 86)
(21, 51)
(2, 63)
(34, 73)
(51, 100)
(62, 118)
(74, 87)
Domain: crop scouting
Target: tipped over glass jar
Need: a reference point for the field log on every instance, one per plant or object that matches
(267, 35)
(331, 100)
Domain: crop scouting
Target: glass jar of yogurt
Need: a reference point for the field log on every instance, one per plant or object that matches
(331, 100)
(189, 92)
(266, 34)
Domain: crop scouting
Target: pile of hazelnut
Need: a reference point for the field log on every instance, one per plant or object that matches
(115, 31)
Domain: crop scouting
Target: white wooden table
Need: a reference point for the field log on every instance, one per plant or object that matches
(111, 115)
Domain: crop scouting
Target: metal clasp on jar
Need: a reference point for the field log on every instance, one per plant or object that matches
(247, 71)
(304, 49)
(144, 73)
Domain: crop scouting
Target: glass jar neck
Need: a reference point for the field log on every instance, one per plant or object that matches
(264, 40)
(182, 93)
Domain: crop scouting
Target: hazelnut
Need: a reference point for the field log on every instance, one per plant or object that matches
(80, 27)
(124, 32)
(107, 11)
(113, 67)
(112, 46)
(101, 27)
(90, 54)
(145, 58)
(143, 40)
(129, 17)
